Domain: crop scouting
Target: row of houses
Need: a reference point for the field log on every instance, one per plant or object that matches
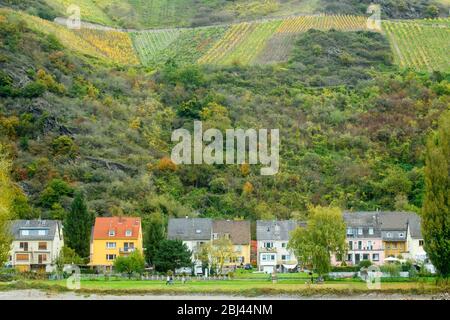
(379, 237)
(376, 236)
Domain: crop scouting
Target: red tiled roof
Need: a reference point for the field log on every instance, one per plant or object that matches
(119, 224)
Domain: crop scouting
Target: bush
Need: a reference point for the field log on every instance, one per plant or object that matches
(392, 268)
(365, 264)
(7, 275)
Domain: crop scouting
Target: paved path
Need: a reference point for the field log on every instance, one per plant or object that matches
(33, 294)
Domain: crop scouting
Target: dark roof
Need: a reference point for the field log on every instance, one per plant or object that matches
(276, 230)
(53, 226)
(190, 229)
(391, 221)
(239, 231)
(415, 229)
(364, 220)
(385, 221)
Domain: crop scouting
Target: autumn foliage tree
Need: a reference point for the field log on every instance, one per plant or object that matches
(6, 202)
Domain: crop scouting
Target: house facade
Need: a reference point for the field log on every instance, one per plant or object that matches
(394, 229)
(113, 237)
(193, 232)
(238, 232)
(415, 242)
(272, 240)
(364, 240)
(36, 244)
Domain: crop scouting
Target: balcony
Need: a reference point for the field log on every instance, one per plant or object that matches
(126, 250)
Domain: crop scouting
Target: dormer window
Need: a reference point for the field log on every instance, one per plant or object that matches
(401, 235)
(360, 231)
(128, 233)
(198, 231)
(371, 231)
(349, 231)
(111, 233)
(389, 235)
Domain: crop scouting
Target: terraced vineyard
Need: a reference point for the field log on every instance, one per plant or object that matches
(182, 45)
(150, 44)
(113, 44)
(420, 46)
(338, 22)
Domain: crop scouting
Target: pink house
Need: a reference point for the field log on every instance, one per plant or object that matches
(364, 239)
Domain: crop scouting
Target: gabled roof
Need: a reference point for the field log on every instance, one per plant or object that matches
(415, 229)
(363, 220)
(392, 221)
(239, 231)
(119, 225)
(189, 229)
(51, 227)
(276, 230)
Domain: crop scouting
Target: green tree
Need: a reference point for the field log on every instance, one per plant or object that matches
(133, 263)
(6, 203)
(435, 210)
(323, 236)
(77, 227)
(67, 256)
(171, 255)
(220, 251)
(154, 234)
(55, 190)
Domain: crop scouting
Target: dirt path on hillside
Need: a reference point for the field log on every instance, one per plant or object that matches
(33, 294)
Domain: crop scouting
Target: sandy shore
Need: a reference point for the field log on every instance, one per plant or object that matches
(33, 294)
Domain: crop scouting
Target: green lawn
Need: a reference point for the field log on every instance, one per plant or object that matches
(233, 287)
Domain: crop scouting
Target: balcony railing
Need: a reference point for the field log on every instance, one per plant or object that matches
(126, 250)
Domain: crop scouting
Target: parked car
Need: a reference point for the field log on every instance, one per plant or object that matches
(248, 266)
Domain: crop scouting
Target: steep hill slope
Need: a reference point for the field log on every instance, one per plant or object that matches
(352, 128)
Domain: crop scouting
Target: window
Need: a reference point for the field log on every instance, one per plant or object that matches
(388, 235)
(111, 233)
(215, 236)
(42, 232)
(366, 256)
(24, 246)
(394, 245)
(198, 231)
(42, 246)
(227, 236)
(369, 245)
(375, 257)
(238, 248)
(272, 257)
(350, 257)
(110, 245)
(371, 231)
(401, 235)
(349, 231)
(359, 245)
(21, 257)
(420, 243)
(286, 257)
(25, 232)
(268, 245)
(350, 245)
(360, 231)
(128, 233)
(283, 245)
(110, 257)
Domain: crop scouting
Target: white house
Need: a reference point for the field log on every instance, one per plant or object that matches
(36, 244)
(272, 239)
(193, 232)
(415, 241)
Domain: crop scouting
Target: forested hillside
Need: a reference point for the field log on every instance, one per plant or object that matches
(352, 126)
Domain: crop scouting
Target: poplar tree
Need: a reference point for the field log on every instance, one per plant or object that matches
(435, 211)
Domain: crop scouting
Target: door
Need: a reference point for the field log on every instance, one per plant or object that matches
(357, 258)
(42, 258)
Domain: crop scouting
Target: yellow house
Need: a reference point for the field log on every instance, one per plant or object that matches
(113, 237)
(239, 234)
